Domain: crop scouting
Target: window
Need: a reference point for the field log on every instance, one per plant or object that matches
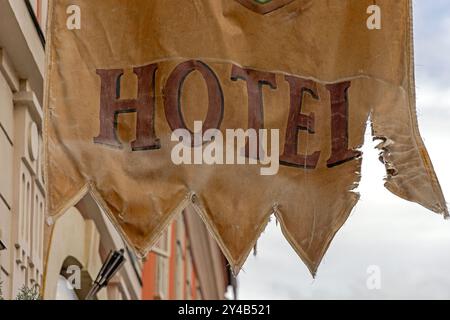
(162, 278)
(188, 293)
(64, 290)
(179, 259)
(162, 251)
(162, 247)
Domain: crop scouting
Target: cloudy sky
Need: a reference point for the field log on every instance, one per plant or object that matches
(408, 245)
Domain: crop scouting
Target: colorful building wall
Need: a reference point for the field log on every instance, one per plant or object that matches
(186, 264)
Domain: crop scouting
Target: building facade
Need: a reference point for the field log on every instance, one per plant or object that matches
(187, 264)
(61, 259)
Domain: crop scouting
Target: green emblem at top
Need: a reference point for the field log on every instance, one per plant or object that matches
(264, 6)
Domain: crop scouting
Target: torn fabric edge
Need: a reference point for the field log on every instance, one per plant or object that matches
(440, 207)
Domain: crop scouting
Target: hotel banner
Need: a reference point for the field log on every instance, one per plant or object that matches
(239, 109)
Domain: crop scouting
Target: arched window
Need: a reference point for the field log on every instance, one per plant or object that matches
(65, 290)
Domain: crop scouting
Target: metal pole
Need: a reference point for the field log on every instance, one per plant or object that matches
(113, 263)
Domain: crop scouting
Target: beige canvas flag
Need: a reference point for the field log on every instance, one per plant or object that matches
(133, 84)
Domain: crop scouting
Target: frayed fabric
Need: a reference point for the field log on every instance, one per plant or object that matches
(136, 71)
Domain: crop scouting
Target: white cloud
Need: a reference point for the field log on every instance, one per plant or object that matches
(407, 242)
